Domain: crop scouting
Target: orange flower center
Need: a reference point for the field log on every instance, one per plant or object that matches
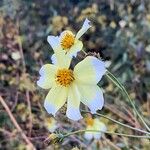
(64, 77)
(67, 40)
(89, 121)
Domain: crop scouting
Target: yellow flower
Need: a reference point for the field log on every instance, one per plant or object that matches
(67, 41)
(94, 124)
(74, 86)
(51, 124)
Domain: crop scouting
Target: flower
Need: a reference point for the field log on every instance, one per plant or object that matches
(94, 124)
(50, 123)
(67, 41)
(74, 86)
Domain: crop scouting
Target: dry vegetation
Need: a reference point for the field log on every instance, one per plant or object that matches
(120, 34)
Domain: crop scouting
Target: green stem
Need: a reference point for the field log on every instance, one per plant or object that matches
(122, 124)
(121, 87)
(112, 133)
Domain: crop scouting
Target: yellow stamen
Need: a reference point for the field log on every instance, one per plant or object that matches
(89, 121)
(67, 40)
(64, 77)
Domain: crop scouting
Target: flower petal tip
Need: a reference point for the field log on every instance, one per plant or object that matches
(87, 23)
(41, 84)
(88, 136)
(93, 111)
(73, 114)
(38, 82)
(99, 67)
(53, 59)
(54, 42)
(75, 118)
(97, 103)
(49, 108)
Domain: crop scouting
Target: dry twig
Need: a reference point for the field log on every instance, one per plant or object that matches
(16, 124)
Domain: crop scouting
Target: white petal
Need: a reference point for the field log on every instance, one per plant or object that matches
(97, 135)
(84, 28)
(62, 60)
(92, 96)
(47, 78)
(88, 135)
(53, 59)
(73, 103)
(54, 42)
(59, 58)
(98, 125)
(75, 48)
(55, 99)
(90, 70)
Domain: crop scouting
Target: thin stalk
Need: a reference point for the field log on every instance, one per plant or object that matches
(122, 124)
(16, 124)
(112, 133)
(121, 87)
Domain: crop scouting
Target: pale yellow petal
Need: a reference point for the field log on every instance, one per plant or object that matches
(53, 59)
(88, 135)
(84, 28)
(92, 96)
(75, 48)
(73, 103)
(97, 135)
(90, 70)
(62, 60)
(55, 99)
(98, 125)
(54, 42)
(47, 78)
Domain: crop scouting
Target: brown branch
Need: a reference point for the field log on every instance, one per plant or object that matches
(111, 144)
(119, 114)
(30, 112)
(137, 124)
(16, 124)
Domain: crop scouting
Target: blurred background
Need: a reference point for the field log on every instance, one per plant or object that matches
(120, 33)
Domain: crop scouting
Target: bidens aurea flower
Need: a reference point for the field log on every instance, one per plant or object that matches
(67, 41)
(73, 86)
(94, 124)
